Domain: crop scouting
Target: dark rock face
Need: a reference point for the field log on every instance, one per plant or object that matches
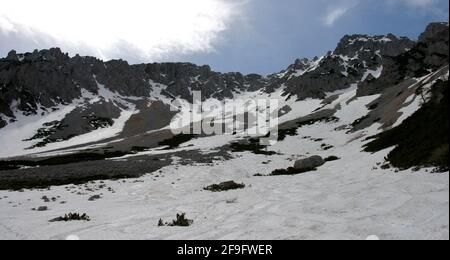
(182, 78)
(389, 45)
(434, 43)
(421, 140)
(44, 79)
(428, 54)
(348, 64)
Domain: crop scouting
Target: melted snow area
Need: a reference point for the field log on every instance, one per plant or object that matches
(351, 198)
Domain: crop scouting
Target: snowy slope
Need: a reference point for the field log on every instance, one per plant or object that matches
(14, 136)
(344, 199)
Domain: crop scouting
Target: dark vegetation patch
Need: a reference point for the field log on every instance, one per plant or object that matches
(137, 149)
(252, 145)
(72, 217)
(180, 221)
(326, 147)
(225, 186)
(330, 119)
(45, 133)
(290, 171)
(96, 122)
(359, 120)
(177, 140)
(385, 166)
(59, 160)
(421, 140)
(373, 106)
(282, 133)
(19, 184)
(47, 130)
(331, 158)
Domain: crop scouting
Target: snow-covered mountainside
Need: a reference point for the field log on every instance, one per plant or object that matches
(99, 135)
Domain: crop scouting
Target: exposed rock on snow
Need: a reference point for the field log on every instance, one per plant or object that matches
(42, 208)
(309, 163)
(225, 186)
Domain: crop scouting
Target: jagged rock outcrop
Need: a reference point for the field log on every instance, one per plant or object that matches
(357, 58)
(183, 78)
(428, 54)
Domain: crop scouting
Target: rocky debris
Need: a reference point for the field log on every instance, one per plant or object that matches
(150, 117)
(309, 163)
(180, 221)
(225, 186)
(72, 217)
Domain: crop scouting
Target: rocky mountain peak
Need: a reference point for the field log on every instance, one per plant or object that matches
(435, 32)
(386, 45)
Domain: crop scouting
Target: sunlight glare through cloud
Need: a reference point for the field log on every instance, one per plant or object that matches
(152, 27)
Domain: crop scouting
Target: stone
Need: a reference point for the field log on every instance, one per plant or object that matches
(309, 163)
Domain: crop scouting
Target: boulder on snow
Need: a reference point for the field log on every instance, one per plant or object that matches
(309, 163)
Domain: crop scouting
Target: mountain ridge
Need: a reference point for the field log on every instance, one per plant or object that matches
(81, 95)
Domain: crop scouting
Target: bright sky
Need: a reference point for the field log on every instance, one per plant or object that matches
(261, 36)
